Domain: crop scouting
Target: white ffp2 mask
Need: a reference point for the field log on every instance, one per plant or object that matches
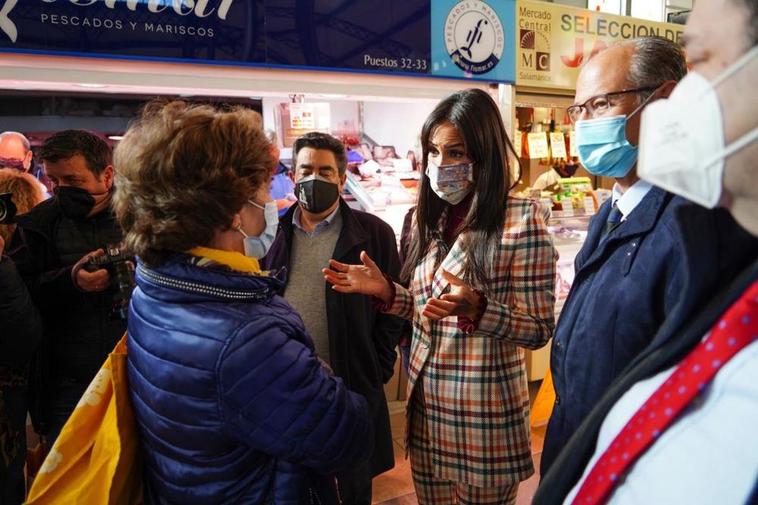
(682, 147)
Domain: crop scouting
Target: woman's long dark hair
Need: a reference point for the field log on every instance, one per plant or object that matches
(476, 117)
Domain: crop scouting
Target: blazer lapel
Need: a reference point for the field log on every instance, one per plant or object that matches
(352, 233)
(453, 263)
(593, 235)
(642, 219)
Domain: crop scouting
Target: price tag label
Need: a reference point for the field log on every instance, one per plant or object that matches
(537, 145)
(572, 144)
(558, 143)
(518, 139)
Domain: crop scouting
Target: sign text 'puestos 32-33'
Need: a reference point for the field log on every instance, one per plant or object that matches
(471, 39)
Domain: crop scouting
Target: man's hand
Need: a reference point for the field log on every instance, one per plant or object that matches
(93, 282)
(365, 279)
(2, 246)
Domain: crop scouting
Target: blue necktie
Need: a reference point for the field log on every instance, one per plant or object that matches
(613, 220)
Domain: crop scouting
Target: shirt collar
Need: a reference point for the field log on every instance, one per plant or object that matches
(319, 227)
(628, 200)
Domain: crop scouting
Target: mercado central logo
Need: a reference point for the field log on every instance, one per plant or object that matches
(474, 36)
(196, 8)
(555, 41)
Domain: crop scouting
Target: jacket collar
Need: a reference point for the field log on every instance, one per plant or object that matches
(181, 278)
(642, 219)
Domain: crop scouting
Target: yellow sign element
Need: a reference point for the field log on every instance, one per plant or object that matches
(558, 144)
(537, 145)
(554, 41)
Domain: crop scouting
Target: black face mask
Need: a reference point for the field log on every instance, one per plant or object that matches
(75, 203)
(567, 170)
(316, 195)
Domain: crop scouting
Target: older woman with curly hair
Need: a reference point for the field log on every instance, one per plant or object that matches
(232, 403)
(26, 193)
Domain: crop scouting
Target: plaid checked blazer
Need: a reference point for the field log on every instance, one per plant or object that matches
(474, 389)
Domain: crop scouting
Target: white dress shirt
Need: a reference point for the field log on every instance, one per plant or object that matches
(707, 456)
(629, 199)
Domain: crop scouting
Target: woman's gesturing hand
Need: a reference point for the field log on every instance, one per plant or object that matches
(460, 301)
(365, 279)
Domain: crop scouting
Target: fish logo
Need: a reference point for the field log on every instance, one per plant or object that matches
(474, 37)
(7, 26)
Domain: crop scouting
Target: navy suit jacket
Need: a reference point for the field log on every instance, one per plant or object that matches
(667, 253)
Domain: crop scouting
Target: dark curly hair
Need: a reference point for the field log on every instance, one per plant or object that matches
(318, 140)
(68, 143)
(182, 172)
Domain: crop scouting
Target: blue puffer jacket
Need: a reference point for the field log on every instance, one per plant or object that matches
(231, 402)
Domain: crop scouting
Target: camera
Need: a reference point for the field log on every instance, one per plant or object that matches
(7, 209)
(120, 267)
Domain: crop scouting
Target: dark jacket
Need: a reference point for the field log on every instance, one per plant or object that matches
(21, 325)
(688, 323)
(79, 328)
(231, 402)
(624, 288)
(362, 341)
(20, 334)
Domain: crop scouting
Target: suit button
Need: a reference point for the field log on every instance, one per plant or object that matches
(557, 400)
(557, 343)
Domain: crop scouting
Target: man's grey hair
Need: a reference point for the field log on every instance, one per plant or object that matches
(20, 137)
(655, 61)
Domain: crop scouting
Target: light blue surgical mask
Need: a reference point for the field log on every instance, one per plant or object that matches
(602, 145)
(258, 247)
(603, 148)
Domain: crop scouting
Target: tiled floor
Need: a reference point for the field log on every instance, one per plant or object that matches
(396, 486)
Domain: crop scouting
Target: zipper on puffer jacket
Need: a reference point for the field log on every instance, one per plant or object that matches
(204, 289)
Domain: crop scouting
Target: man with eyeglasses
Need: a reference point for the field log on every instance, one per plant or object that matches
(638, 257)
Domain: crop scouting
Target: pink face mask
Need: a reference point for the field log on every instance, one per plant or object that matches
(12, 163)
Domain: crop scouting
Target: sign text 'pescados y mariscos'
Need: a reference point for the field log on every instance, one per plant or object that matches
(198, 8)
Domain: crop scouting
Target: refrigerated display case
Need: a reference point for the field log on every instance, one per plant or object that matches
(568, 235)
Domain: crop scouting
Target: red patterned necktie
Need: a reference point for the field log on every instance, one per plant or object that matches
(736, 329)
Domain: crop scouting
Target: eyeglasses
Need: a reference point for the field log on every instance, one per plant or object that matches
(599, 104)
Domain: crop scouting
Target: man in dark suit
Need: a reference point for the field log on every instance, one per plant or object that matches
(678, 424)
(349, 334)
(638, 256)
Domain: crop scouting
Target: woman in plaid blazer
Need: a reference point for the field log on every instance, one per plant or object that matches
(483, 268)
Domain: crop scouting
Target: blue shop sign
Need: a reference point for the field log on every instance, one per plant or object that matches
(474, 39)
(388, 36)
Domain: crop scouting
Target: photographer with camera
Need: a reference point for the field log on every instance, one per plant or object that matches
(51, 247)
